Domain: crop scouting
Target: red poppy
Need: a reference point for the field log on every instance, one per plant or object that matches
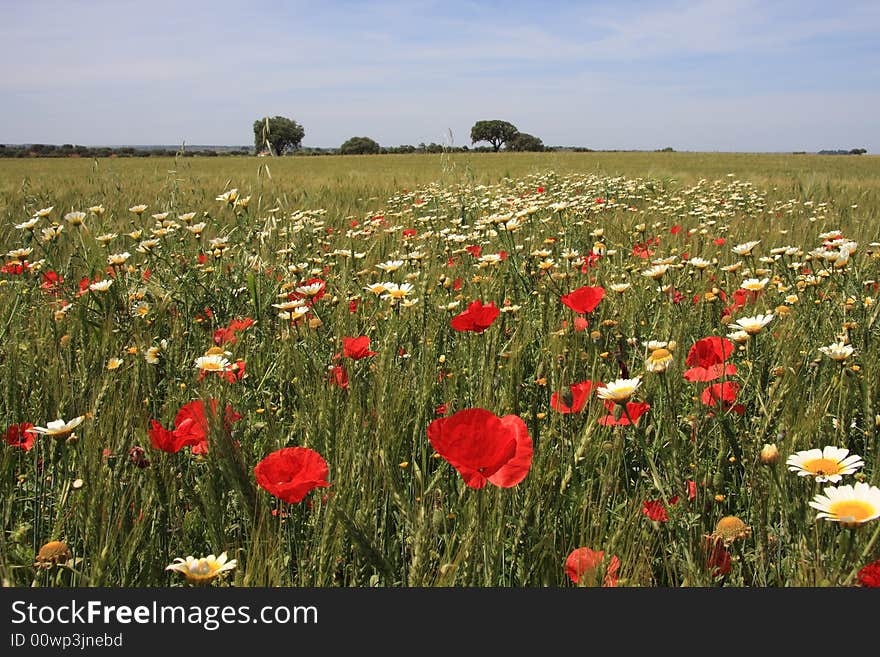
(655, 510)
(870, 575)
(675, 230)
(641, 250)
(190, 428)
(720, 392)
(582, 564)
(21, 435)
(710, 373)
(719, 558)
(291, 472)
(52, 281)
(357, 348)
(475, 250)
(692, 489)
(572, 400)
(190, 423)
(484, 447)
(707, 359)
(409, 232)
(441, 409)
(741, 298)
(709, 351)
(339, 377)
(584, 299)
(617, 417)
(228, 335)
(235, 373)
(83, 287)
(476, 318)
(167, 441)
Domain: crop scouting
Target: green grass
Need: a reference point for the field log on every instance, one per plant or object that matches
(396, 514)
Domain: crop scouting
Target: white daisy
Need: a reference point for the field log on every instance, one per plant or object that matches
(837, 351)
(59, 428)
(620, 390)
(751, 325)
(848, 505)
(824, 465)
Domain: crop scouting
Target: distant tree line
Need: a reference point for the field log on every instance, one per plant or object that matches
(71, 150)
(852, 151)
(279, 135)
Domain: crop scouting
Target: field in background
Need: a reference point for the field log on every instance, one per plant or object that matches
(519, 230)
(357, 182)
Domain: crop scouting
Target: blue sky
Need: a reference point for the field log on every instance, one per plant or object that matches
(708, 75)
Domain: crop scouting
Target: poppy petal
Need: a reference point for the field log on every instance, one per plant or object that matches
(516, 469)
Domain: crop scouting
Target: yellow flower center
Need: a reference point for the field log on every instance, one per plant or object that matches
(822, 466)
(660, 355)
(856, 511)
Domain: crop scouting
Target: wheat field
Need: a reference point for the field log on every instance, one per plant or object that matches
(554, 369)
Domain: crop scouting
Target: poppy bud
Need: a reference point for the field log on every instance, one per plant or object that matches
(137, 456)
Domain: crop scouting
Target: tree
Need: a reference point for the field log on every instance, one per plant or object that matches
(495, 132)
(523, 141)
(360, 146)
(277, 134)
